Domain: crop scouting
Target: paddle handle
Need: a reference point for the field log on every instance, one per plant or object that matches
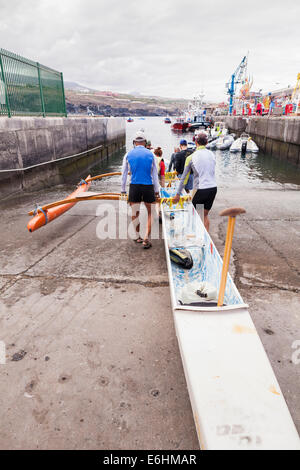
(231, 212)
(226, 259)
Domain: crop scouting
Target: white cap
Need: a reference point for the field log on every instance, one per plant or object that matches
(140, 137)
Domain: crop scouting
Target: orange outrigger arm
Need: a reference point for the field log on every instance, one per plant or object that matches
(99, 177)
(47, 213)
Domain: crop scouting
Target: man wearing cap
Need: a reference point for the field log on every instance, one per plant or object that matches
(180, 159)
(148, 145)
(144, 185)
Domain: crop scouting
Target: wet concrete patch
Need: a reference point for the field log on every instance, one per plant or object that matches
(20, 249)
(107, 348)
(260, 259)
(277, 320)
(86, 256)
(283, 237)
(17, 294)
(259, 204)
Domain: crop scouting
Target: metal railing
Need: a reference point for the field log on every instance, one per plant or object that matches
(28, 88)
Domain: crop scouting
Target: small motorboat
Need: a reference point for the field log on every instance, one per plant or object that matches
(167, 120)
(225, 142)
(130, 119)
(199, 123)
(219, 129)
(212, 145)
(244, 144)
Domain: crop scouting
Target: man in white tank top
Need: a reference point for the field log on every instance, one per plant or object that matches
(203, 163)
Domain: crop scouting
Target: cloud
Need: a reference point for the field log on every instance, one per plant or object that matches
(169, 48)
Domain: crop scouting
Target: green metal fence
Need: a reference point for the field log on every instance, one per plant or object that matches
(28, 88)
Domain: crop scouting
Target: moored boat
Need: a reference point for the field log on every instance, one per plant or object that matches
(198, 123)
(180, 125)
(224, 142)
(244, 144)
(236, 399)
(218, 129)
(212, 145)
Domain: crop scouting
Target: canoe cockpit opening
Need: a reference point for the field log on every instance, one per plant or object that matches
(194, 264)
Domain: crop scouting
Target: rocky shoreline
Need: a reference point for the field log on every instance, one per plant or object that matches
(108, 110)
(101, 104)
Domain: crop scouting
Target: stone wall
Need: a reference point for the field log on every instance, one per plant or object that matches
(277, 136)
(36, 150)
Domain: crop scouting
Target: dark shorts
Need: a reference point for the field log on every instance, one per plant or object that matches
(141, 192)
(205, 197)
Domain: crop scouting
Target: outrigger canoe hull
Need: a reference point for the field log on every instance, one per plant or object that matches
(236, 400)
(44, 217)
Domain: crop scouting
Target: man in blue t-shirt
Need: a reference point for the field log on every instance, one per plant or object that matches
(144, 185)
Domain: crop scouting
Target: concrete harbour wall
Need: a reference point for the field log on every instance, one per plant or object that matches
(277, 136)
(36, 152)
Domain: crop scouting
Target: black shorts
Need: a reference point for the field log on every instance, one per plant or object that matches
(205, 197)
(141, 192)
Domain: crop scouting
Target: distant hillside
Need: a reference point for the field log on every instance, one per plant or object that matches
(76, 87)
(81, 100)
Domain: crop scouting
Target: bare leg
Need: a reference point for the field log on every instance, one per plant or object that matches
(206, 220)
(135, 216)
(149, 220)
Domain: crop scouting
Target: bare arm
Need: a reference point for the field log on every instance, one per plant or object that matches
(124, 173)
(155, 176)
(187, 170)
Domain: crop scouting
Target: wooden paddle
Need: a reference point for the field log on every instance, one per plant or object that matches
(231, 213)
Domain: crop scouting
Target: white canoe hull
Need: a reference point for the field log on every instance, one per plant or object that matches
(236, 400)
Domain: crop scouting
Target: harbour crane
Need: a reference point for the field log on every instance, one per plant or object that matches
(236, 77)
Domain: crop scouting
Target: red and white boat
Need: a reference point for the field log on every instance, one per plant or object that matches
(180, 124)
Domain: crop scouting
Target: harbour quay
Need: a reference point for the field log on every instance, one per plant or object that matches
(36, 151)
(92, 354)
(278, 136)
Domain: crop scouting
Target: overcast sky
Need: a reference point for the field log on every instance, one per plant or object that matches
(169, 48)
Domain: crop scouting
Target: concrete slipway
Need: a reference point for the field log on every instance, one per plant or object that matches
(92, 357)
